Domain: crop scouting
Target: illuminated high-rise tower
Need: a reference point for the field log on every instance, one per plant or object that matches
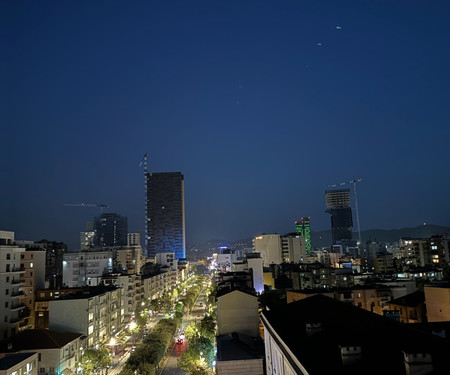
(338, 206)
(165, 226)
(303, 228)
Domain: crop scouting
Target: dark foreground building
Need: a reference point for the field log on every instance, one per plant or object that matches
(320, 335)
(165, 226)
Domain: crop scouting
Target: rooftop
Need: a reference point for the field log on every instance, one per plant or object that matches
(34, 339)
(238, 347)
(410, 300)
(11, 360)
(382, 340)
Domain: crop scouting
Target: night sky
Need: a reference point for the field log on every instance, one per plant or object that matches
(260, 104)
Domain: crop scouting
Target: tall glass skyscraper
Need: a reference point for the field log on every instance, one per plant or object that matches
(165, 226)
(338, 206)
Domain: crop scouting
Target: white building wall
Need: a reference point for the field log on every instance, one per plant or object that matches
(134, 239)
(237, 304)
(269, 246)
(70, 315)
(167, 259)
(293, 248)
(225, 261)
(256, 264)
(276, 361)
(83, 268)
(97, 317)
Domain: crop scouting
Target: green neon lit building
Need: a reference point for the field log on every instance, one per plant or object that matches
(303, 228)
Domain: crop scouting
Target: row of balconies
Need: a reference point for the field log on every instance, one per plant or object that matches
(14, 269)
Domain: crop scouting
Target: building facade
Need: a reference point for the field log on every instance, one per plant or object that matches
(81, 268)
(303, 227)
(97, 314)
(12, 310)
(58, 352)
(18, 363)
(110, 230)
(33, 278)
(233, 304)
(165, 226)
(276, 249)
(338, 206)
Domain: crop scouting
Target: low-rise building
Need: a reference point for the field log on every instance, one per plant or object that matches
(157, 282)
(42, 305)
(18, 363)
(58, 352)
(85, 267)
(97, 313)
(411, 307)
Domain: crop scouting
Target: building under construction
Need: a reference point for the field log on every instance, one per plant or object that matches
(338, 206)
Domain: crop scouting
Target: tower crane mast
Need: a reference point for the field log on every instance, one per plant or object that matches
(144, 163)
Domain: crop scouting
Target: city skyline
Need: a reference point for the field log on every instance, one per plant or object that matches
(260, 105)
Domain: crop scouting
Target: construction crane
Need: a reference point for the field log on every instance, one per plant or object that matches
(102, 206)
(144, 163)
(356, 200)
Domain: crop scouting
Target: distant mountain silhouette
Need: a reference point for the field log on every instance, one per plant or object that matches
(323, 238)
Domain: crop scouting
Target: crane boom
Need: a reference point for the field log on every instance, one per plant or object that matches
(101, 206)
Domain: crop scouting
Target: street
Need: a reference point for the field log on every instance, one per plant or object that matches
(170, 366)
(197, 313)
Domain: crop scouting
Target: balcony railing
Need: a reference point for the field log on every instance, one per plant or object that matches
(17, 294)
(16, 269)
(17, 306)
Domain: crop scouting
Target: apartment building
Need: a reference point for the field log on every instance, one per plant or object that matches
(97, 313)
(12, 310)
(32, 261)
(156, 284)
(276, 249)
(83, 268)
(18, 364)
(58, 352)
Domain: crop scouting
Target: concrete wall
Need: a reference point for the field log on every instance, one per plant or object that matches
(69, 315)
(269, 246)
(437, 301)
(244, 367)
(237, 312)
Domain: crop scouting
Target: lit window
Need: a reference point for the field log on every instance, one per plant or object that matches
(31, 264)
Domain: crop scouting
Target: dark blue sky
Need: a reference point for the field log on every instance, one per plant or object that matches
(260, 104)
